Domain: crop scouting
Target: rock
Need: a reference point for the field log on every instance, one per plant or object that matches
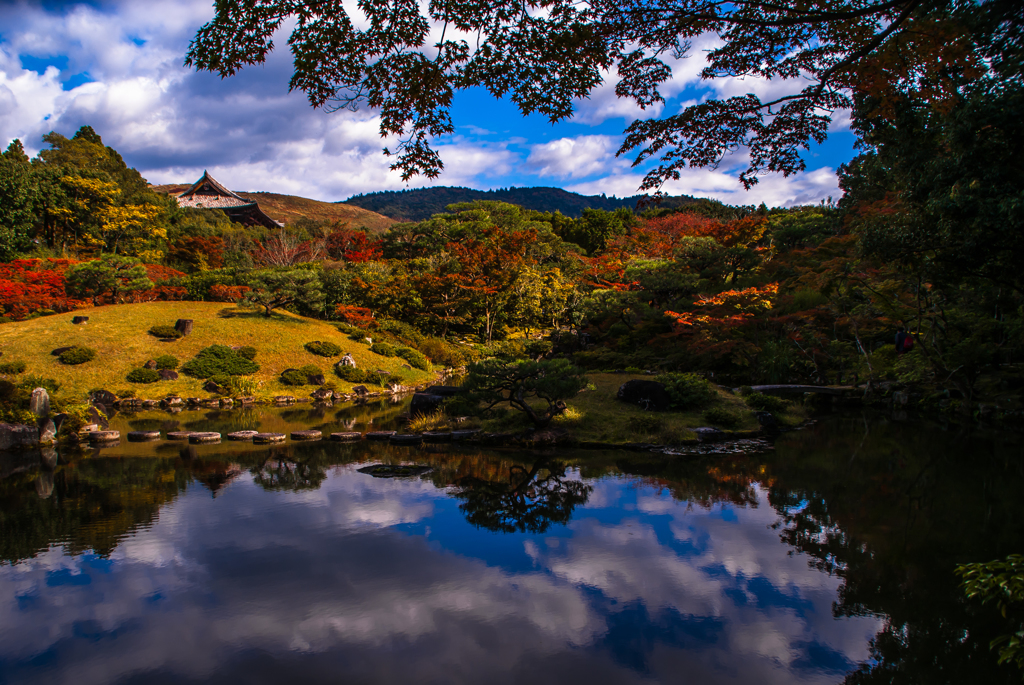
(80, 320)
(39, 403)
(183, 326)
(168, 374)
(172, 401)
(98, 416)
(443, 390)
(151, 364)
(143, 436)
(316, 379)
(379, 435)
(465, 434)
(649, 395)
(44, 484)
(227, 402)
(307, 435)
(395, 470)
(104, 397)
(347, 360)
(104, 436)
(47, 431)
(350, 436)
(423, 403)
(360, 390)
(149, 404)
(284, 399)
(900, 398)
(193, 401)
(211, 403)
(178, 435)
(406, 439)
(266, 438)
(438, 436)
(709, 434)
(766, 418)
(17, 435)
(322, 394)
(203, 438)
(245, 401)
(58, 421)
(242, 435)
(406, 367)
(210, 386)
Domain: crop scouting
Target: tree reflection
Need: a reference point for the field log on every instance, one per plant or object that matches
(529, 502)
(280, 470)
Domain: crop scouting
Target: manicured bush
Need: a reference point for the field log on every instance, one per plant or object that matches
(349, 329)
(322, 349)
(383, 349)
(759, 402)
(76, 355)
(415, 358)
(14, 367)
(221, 379)
(143, 376)
(687, 390)
(300, 376)
(165, 332)
(354, 375)
(248, 352)
(167, 361)
(720, 416)
(219, 359)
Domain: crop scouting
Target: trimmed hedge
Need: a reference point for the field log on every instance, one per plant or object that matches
(759, 402)
(688, 390)
(354, 375)
(300, 376)
(323, 349)
(76, 355)
(416, 359)
(143, 376)
(248, 352)
(167, 361)
(219, 359)
(383, 349)
(165, 332)
(12, 368)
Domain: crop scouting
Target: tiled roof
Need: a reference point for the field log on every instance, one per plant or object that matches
(211, 201)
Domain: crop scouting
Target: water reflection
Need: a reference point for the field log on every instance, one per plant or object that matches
(797, 566)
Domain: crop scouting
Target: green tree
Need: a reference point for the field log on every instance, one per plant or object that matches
(278, 288)
(110, 276)
(538, 389)
(17, 196)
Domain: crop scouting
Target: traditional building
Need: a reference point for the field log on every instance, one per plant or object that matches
(206, 193)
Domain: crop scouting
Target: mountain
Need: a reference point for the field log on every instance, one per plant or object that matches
(290, 208)
(421, 203)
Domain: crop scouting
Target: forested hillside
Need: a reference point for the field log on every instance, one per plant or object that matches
(422, 203)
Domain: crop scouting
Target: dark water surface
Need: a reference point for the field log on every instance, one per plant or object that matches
(829, 559)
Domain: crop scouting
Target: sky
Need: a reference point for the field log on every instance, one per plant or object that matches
(117, 65)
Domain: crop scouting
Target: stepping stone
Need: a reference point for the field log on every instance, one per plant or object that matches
(395, 470)
(465, 435)
(143, 436)
(104, 436)
(307, 435)
(178, 435)
(437, 436)
(242, 435)
(379, 435)
(407, 439)
(346, 437)
(201, 438)
(267, 438)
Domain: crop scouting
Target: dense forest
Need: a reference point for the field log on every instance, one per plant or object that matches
(422, 203)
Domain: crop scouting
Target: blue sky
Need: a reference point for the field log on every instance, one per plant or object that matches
(117, 66)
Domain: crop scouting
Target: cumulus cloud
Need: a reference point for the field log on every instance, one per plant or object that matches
(574, 157)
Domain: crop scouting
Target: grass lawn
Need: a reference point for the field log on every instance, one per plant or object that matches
(119, 335)
(596, 415)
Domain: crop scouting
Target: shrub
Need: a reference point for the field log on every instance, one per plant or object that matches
(354, 375)
(76, 355)
(11, 368)
(165, 332)
(720, 416)
(383, 349)
(645, 424)
(687, 390)
(166, 361)
(322, 349)
(219, 359)
(248, 352)
(415, 358)
(351, 330)
(32, 381)
(756, 400)
(245, 387)
(143, 376)
(299, 376)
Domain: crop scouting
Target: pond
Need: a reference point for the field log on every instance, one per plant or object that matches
(828, 559)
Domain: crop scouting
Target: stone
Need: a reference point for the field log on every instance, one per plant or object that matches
(39, 403)
(443, 390)
(766, 418)
(709, 434)
(97, 415)
(143, 436)
(151, 364)
(178, 435)
(379, 435)
(172, 401)
(193, 401)
(423, 403)
(245, 401)
(80, 320)
(360, 390)
(227, 402)
(58, 421)
(284, 399)
(347, 360)
(406, 367)
(348, 436)
(406, 439)
(17, 435)
(322, 394)
(104, 397)
(149, 404)
(203, 437)
(104, 436)
(242, 435)
(48, 458)
(437, 436)
(267, 438)
(211, 403)
(307, 435)
(183, 326)
(44, 484)
(316, 379)
(649, 395)
(47, 431)
(210, 386)
(168, 374)
(465, 434)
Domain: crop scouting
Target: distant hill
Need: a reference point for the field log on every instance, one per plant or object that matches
(422, 203)
(290, 208)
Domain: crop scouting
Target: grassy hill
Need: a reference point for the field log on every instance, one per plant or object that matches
(119, 335)
(290, 208)
(422, 203)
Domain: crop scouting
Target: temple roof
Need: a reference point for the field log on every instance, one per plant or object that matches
(207, 193)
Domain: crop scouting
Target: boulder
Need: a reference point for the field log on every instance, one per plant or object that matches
(360, 390)
(649, 395)
(44, 484)
(97, 414)
(183, 326)
(443, 390)
(151, 364)
(307, 435)
(322, 394)
(17, 435)
(104, 397)
(39, 403)
(58, 421)
(316, 379)
(172, 401)
(709, 434)
(47, 431)
(168, 375)
(79, 320)
(347, 360)
(210, 386)
(149, 404)
(424, 403)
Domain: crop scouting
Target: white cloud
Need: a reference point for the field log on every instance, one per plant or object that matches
(577, 157)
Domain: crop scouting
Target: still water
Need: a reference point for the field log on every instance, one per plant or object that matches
(829, 559)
